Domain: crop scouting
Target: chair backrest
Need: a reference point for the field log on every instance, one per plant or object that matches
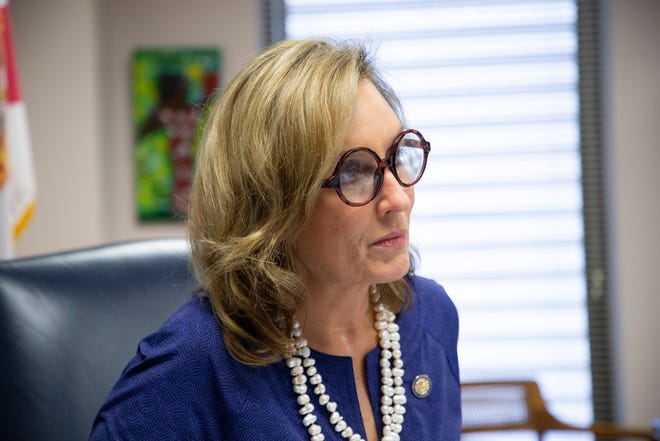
(69, 323)
(519, 405)
(495, 406)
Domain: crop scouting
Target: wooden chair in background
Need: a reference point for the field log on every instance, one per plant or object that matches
(519, 405)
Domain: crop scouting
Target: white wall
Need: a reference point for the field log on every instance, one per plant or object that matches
(56, 46)
(632, 74)
(75, 83)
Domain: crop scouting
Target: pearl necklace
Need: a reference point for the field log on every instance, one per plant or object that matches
(393, 398)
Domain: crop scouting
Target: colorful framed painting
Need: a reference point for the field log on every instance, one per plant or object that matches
(170, 88)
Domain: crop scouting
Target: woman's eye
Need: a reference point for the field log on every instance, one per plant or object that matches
(355, 171)
(350, 172)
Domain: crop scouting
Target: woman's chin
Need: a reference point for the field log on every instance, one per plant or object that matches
(395, 272)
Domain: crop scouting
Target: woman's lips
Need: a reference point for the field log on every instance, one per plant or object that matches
(393, 240)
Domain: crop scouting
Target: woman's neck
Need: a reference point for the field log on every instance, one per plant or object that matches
(339, 322)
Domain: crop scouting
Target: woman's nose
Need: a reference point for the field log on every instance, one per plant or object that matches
(393, 196)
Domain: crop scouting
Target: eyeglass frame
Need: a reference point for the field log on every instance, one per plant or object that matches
(387, 162)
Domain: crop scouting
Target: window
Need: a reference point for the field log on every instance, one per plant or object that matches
(494, 86)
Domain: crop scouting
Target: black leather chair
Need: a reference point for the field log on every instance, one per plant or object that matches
(69, 323)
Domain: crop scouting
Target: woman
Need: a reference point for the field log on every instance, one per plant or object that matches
(310, 324)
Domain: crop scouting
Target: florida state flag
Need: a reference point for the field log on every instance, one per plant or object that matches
(17, 180)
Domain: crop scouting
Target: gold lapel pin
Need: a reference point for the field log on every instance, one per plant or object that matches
(421, 386)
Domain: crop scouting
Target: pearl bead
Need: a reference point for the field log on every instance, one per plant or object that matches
(340, 426)
(301, 343)
(299, 379)
(308, 419)
(292, 361)
(306, 408)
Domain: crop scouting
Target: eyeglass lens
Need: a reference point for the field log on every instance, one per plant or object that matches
(360, 174)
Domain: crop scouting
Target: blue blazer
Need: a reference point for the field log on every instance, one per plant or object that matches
(183, 384)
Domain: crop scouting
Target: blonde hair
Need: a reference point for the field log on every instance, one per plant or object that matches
(271, 136)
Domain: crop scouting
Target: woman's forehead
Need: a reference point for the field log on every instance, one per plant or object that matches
(374, 124)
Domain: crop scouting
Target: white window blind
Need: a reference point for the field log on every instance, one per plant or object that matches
(493, 85)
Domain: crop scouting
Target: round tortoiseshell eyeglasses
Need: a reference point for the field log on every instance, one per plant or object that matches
(358, 176)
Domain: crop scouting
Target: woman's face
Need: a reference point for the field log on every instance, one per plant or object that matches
(356, 246)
